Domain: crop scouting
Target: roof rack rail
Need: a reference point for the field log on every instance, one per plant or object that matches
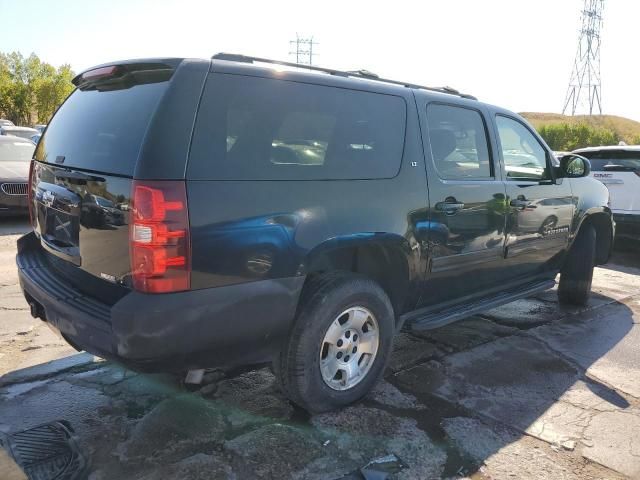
(365, 74)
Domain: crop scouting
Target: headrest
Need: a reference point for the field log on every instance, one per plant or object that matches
(443, 142)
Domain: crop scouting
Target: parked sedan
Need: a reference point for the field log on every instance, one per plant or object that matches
(22, 132)
(4, 122)
(15, 156)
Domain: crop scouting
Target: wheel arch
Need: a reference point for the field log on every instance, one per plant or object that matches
(385, 258)
(602, 221)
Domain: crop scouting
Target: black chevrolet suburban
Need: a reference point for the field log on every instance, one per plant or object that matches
(237, 211)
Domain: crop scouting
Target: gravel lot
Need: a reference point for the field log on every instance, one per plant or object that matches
(530, 390)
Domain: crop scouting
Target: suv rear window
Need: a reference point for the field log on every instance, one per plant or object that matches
(252, 128)
(612, 158)
(101, 130)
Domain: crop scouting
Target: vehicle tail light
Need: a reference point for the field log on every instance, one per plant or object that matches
(30, 192)
(159, 237)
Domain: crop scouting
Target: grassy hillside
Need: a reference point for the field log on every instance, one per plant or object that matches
(625, 128)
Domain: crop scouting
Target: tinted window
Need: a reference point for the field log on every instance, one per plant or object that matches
(613, 159)
(103, 202)
(264, 129)
(16, 151)
(458, 142)
(101, 130)
(524, 157)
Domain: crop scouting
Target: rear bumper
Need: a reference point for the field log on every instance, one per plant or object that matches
(225, 326)
(627, 224)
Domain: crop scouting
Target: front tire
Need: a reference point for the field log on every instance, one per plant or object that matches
(340, 342)
(577, 273)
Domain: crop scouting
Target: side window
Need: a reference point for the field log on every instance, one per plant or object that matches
(458, 142)
(251, 128)
(302, 139)
(524, 157)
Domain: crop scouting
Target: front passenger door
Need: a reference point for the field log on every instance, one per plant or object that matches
(540, 207)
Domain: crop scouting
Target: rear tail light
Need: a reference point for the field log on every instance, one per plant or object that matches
(30, 191)
(159, 237)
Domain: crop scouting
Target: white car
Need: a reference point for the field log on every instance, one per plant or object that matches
(618, 168)
(23, 132)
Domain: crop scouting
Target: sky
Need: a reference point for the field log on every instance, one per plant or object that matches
(517, 54)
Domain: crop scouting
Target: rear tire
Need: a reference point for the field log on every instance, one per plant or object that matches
(577, 273)
(345, 324)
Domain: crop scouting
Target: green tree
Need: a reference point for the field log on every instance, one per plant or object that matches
(51, 90)
(5, 85)
(31, 90)
(569, 136)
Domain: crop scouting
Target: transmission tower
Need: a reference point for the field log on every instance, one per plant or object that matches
(302, 49)
(584, 86)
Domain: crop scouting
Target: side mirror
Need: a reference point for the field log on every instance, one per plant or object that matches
(573, 166)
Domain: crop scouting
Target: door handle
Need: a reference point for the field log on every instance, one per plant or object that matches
(449, 208)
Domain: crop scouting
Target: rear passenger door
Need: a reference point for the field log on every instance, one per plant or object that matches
(540, 207)
(467, 204)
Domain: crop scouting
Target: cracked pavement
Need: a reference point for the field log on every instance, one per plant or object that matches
(529, 390)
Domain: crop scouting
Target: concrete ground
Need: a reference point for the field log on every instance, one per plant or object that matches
(531, 390)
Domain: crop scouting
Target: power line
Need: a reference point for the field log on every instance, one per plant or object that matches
(585, 83)
(302, 49)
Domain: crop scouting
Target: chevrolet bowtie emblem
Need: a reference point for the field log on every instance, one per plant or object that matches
(63, 226)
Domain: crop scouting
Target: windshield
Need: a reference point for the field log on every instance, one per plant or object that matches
(16, 151)
(625, 159)
(103, 202)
